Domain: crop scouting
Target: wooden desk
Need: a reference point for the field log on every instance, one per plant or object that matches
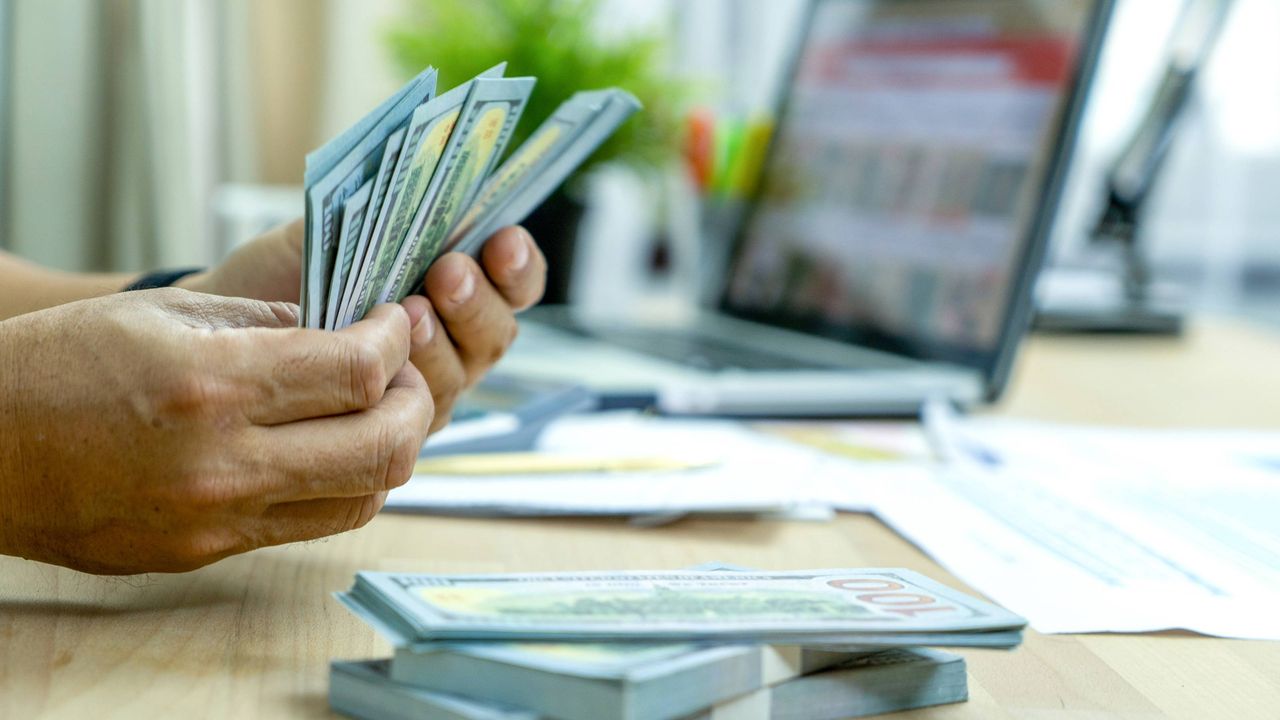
(252, 636)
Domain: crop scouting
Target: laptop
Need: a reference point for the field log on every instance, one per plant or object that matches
(889, 253)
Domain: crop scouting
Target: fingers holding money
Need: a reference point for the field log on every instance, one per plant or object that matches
(468, 322)
(480, 321)
(302, 374)
(348, 456)
(302, 480)
(516, 266)
(436, 357)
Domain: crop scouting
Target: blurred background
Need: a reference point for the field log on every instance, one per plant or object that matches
(153, 133)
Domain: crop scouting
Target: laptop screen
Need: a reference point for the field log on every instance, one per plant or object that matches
(914, 163)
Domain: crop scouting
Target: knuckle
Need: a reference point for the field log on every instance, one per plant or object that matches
(469, 317)
(171, 297)
(350, 518)
(365, 377)
(170, 294)
(397, 453)
(283, 314)
(257, 313)
(363, 510)
(531, 297)
(203, 492)
(197, 548)
(429, 415)
(405, 456)
(455, 381)
(441, 420)
(445, 381)
(442, 404)
(506, 336)
(191, 394)
(444, 400)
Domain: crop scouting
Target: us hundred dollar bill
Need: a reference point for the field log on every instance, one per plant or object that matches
(335, 173)
(483, 131)
(826, 607)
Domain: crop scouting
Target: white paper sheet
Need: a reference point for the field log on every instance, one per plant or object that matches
(752, 473)
(1097, 530)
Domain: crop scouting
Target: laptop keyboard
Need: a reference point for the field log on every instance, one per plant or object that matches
(702, 352)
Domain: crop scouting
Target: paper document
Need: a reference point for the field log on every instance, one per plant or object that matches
(1097, 530)
(690, 466)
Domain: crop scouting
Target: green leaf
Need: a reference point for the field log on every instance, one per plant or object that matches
(554, 41)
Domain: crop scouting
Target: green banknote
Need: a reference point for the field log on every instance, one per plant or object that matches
(485, 127)
(428, 135)
(334, 173)
(351, 255)
(354, 211)
(525, 196)
(543, 145)
(826, 607)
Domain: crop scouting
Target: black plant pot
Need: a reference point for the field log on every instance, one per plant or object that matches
(555, 226)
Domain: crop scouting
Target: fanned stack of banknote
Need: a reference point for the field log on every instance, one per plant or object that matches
(419, 176)
(716, 642)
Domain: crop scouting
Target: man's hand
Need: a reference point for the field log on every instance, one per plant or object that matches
(163, 430)
(470, 307)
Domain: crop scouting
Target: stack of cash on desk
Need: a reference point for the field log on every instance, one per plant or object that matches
(718, 643)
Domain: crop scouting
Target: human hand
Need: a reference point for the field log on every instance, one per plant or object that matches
(479, 326)
(164, 430)
(269, 268)
(475, 303)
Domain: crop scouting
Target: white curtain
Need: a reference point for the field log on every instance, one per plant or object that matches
(6, 47)
(116, 138)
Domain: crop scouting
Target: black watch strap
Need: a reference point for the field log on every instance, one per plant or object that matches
(160, 279)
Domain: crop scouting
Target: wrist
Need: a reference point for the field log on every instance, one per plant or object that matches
(163, 278)
(201, 282)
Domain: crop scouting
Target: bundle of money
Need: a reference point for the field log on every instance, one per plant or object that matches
(869, 684)
(713, 642)
(880, 607)
(586, 681)
(419, 176)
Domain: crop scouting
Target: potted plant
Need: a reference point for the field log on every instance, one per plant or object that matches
(557, 42)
